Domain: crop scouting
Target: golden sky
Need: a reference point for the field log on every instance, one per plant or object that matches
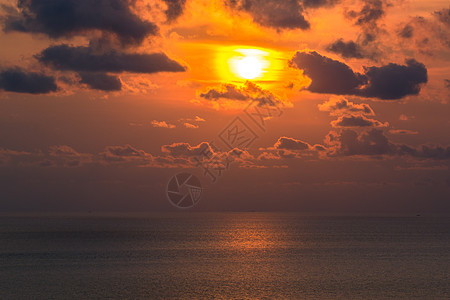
(106, 101)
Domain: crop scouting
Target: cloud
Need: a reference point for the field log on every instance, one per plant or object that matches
(340, 105)
(391, 81)
(370, 13)
(395, 81)
(327, 75)
(196, 119)
(404, 117)
(125, 153)
(63, 150)
(348, 49)
(403, 131)
(65, 57)
(447, 83)
(287, 143)
(276, 14)
(249, 91)
(162, 124)
(443, 16)
(373, 142)
(186, 150)
(55, 156)
(407, 31)
(174, 9)
(428, 36)
(66, 18)
(19, 81)
(101, 81)
(189, 125)
(357, 121)
(367, 17)
(348, 142)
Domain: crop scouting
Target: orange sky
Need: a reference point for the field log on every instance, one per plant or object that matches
(109, 103)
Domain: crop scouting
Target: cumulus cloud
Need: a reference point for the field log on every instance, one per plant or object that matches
(348, 49)
(340, 105)
(101, 81)
(189, 125)
(125, 153)
(199, 119)
(391, 81)
(327, 75)
(20, 81)
(162, 124)
(280, 15)
(276, 14)
(249, 91)
(357, 121)
(66, 18)
(373, 142)
(395, 81)
(288, 143)
(186, 150)
(65, 57)
(349, 142)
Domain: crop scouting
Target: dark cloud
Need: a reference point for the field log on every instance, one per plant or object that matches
(391, 81)
(227, 91)
(447, 83)
(318, 3)
(287, 143)
(407, 32)
(101, 81)
(373, 142)
(348, 49)
(327, 75)
(339, 105)
(357, 121)
(370, 13)
(286, 14)
(249, 91)
(395, 81)
(174, 9)
(64, 57)
(367, 18)
(348, 142)
(19, 81)
(65, 18)
(443, 16)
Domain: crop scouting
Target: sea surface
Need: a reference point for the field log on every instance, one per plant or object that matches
(224, 256)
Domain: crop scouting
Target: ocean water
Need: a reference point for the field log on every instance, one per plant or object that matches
(224, 256)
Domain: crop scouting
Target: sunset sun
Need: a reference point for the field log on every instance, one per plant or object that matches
(249, 67)
(249, 63)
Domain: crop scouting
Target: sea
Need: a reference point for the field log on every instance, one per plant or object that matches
(249, 255)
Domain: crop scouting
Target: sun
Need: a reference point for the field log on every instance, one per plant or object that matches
(249, 63)
(249, 67)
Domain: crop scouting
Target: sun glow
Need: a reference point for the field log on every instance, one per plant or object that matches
(249, 63)
(249, 67)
